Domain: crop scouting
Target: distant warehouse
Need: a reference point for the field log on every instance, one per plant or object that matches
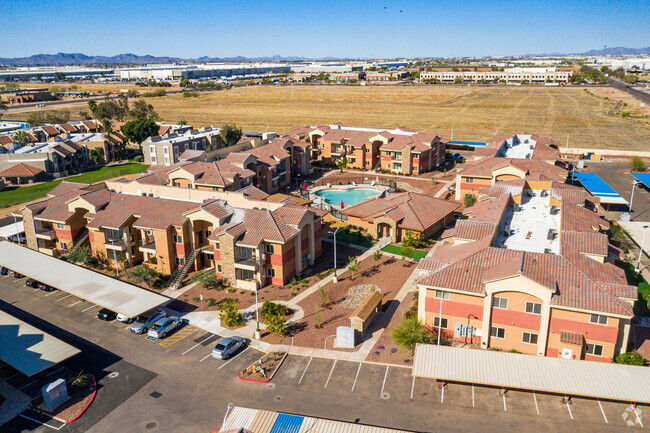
(511, 75)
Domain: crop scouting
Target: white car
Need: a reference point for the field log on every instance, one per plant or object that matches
(125, 319)
(163, 327)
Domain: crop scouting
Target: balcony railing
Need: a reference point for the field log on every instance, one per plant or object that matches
(148, 246)
(45, 233)
(116, 245)
(245, 261)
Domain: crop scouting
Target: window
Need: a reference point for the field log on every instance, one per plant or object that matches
(501, 303)
(533, 308)
(529, 338)
(208, 233)
(469, 180)
(442, 294)
(60, 226)
(217, 246)
(270, 272)
(598, 318)
(243, 253)
(245, 274)
(113, 235)
(177, 239)
(63, 246)
(180, 261)
(497, 332)
(166, 150)
(219, 268)
(270, 249)
(437, 322)
(594, 349)
(152, 151)
(388, 166)
(176, 184)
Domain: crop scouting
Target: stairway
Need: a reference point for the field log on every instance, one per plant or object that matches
(383, 242)
(178, 278)
(80, 240)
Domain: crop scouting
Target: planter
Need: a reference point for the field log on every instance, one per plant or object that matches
(270, 363)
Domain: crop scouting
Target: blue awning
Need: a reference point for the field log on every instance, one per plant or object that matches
(644, 178)
(599, 188)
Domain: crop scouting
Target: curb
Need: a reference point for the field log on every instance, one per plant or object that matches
(88, 405)
(269, 378)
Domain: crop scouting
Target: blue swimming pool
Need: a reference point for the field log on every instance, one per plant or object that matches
(349, 196)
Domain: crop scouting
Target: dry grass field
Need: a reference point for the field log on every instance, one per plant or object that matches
(475, 113)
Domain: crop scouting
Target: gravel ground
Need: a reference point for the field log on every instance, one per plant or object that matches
(385, 350)
(356, 295)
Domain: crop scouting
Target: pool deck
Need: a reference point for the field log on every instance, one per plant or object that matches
(320, 200)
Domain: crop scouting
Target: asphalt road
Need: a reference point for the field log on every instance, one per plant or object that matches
(175, 385)
(642, 96)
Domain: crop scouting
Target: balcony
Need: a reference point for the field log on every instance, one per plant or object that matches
(119, 245)
(245, 263)
(47, 234)
(148, 246)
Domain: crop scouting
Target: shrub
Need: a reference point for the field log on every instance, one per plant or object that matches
(470, 200)
(272, 309)
(138, 158)
(275, 324)
(638, 164)
(409, 332)
(144, 274)
(190, 94)
(207, 278)
(630, 358)
(230, 315)
(81, 381)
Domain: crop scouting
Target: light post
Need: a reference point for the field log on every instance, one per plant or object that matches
(440, 322)
(230, 406)
(335, 279)
(634, 183)
(117, 270)
(638, 263)
(258, 333)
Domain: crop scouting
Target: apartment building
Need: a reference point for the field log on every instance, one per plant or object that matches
(529, 269)
(167, 234)
(56, 158)
(166, 149)
(511, 75)
(272, 164)
(210, 176)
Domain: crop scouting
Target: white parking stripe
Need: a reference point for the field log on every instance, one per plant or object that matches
(36, 289)
(503, 394)
(331, 371)
(412, 387)
(206, 357)
(602, 411)
(227, 362)
(569, 409)
(536, 407)
(637, 416)
(303, 373)
(199, 343)
(78, 302)
(88, 308)
(472, 395)
(356, 377)
(442, 394)
(384, 384)
(42, 423)
(61, 299)
(51, 293)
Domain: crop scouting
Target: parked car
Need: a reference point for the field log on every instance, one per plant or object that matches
(106, 314)
(44, 287)
(15, 274)
(163, 327)
(125, 319)
(227, 347)
(3, 270)
(458, 157)
(32, 283)
(145, 320)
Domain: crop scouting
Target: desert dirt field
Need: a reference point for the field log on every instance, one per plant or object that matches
(475, 113)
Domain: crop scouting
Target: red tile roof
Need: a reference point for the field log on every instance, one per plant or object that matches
(6, 140)
(65, 187)
(21, 170)
(253, 193)
(51, 130)
(69, 128)
(572, 338)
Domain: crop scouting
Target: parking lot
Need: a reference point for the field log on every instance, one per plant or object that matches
(373, 393)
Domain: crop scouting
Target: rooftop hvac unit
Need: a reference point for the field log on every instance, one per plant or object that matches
(528, 155)
(509, 145)
(526, 141)
(516, 207)
(532, 146)
(551, 235)
(547, 251)
(554, 210)
(544, 193)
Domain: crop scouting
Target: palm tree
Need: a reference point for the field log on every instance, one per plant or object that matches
(342, 163)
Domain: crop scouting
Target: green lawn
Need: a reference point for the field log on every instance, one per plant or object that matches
(15, 195)
(352, 237)
(394, 249)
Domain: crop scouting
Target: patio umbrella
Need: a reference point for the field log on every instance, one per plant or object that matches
(342, 205)
(304, 187)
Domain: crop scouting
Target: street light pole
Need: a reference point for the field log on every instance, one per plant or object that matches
(440, 322)
(117, 270)
(336, 280)
(634, 183)
(638, 263)
(258, 333)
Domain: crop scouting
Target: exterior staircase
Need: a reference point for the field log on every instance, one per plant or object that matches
(178, 278)
(80, 240)
(382, 243)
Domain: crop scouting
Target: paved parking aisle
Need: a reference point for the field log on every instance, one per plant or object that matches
(370, 380)
(426, 390)
(398, 384)
(291, 370)
(343, 375)
(317, 373)
(178, 335)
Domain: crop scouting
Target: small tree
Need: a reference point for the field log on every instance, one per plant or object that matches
(21, 138)
(272, 309)
(630, 358)
(230, 315)
(353, 266)
(182, 122)
(409, 332)
(638, 164)
(408, 252)
(144, 274)
(207, 279)
(342, 162)
(96, 155)
(470, 200)
(323, 296)
(413, 239)
(317, 319)
(3, 107)
(81, 255)
(230, 134)
(275, 324)
(139, 130)
(80, 381)
(377, 255)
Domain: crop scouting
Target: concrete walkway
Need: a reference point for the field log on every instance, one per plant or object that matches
(444, 188)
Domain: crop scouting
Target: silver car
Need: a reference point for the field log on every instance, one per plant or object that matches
(227, 347)
(163, 327)
(145, 320)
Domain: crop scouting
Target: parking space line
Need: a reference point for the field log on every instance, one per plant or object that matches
(331, 371)
(30, 383)
(226, 363)
(602, 411)
(356, 377)
(127, 326)
(51, 293)
(537, 407)
(384, 384)
(36, 289)
(472, 395)
(637, 416)
(199, 343)
(412, 387)
(61, 299)
(78, 302)
(303, 373)
(206, 357)
(42, 423)
(569, 408)
(88, 308)
(442, 393)
(503, 394)
(178, 336)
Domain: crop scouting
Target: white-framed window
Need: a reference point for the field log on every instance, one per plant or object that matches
(177, 239)
(269, 248)
(60, 226)
(442, 294)
(594, 349)
(152, 151)
(501, 303)
(496, 332)
(469, 180)
(598, 319)
(219, 268)
(533, 308)
(153, 159)
(217, 246)
(166, 151)
(438, 322)
(207, 233)
(529, 338)
(388, 166)
(63, 246)
(180, 261)
(270, 272)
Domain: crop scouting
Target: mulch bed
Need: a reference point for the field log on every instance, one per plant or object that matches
(270, 363)
(71, 409)
(385, 350)
(389, 277)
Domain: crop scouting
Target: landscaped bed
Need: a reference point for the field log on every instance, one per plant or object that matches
(395, 249)
(82, 391)
(263, 369)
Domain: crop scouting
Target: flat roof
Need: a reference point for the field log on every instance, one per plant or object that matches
(468, 143)
(265, 421)
(519, 147)
(599, 188)
(92, 286)
(539, 373)
(644, 178)
(28, 349)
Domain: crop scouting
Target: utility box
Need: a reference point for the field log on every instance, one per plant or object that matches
(54, 394)
(345, 337)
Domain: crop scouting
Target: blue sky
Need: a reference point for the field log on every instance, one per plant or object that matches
(379, 28)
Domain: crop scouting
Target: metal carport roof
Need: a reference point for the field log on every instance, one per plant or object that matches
(644, 178)
(599, 188)
(92, 286)
(28, 349)
(538, 373)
